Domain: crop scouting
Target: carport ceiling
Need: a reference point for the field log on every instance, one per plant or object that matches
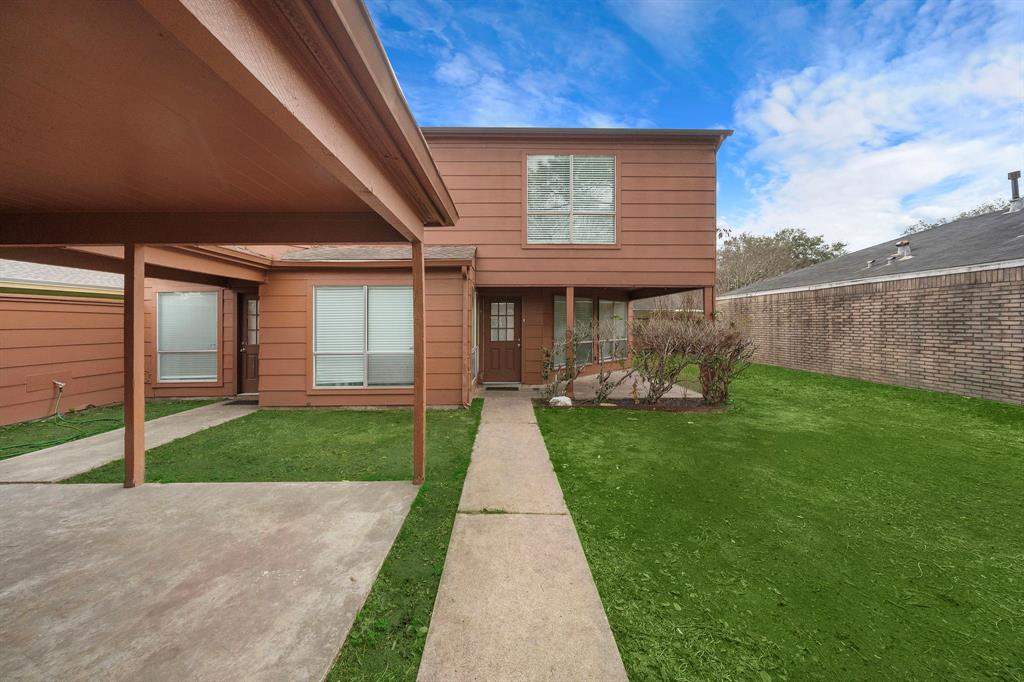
(108, 112)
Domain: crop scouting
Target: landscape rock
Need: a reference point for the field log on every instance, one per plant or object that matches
(560, 401)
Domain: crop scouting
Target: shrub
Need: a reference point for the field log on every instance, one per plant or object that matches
(662, 348)
(606, 382)
(724, 352)
(665, 345)
(556, 373)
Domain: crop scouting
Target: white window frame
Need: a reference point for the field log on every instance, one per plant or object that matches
(215, 352)
(365, 353)
(571, 213)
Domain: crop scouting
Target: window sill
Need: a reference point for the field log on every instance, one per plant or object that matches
(572, 245)
(359, 390)
(206, 383)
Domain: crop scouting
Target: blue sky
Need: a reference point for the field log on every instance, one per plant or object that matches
(852, 119)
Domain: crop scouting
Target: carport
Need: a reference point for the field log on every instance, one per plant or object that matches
(134, 132)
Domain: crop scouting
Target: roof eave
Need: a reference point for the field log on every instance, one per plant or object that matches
(354, 37)
(631, 134)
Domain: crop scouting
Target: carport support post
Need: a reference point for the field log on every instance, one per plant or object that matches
(134, 365)
(419, 366)
(570, 337)
(709, 302)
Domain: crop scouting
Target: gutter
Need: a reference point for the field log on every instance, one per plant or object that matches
(981, 267)
(631, 134)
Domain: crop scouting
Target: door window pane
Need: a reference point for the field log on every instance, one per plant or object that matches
(503, 321)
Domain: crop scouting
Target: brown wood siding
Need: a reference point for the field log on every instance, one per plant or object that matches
(286, 348)
(45, 339)
(665, 215)
(78, 341)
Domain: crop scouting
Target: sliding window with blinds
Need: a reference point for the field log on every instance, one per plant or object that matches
(186, 336)
(362, 336)
(570, 199)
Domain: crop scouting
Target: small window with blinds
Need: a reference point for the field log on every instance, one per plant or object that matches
(186, 336)
(570, 199)
(362, 336)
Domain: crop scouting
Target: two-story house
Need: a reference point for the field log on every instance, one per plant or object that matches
(555, 226)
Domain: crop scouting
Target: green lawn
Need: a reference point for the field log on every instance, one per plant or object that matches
(17, 439)
(387, 639)
(822, 528)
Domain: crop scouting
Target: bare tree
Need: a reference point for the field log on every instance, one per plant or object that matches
(980, 209)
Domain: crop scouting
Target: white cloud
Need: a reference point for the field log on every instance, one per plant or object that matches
(670, 26)
(888, 127)
(457, 71)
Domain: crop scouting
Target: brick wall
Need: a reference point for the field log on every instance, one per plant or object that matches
(961, 333)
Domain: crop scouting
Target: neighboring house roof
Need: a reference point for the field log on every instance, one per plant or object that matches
(18, 272)
(375, 252)
(990, 240)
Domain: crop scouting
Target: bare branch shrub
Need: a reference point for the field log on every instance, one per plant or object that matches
(556, 373)
(725, 351)
(606, 367)
(663, 347)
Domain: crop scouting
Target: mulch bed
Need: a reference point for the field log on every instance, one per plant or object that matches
(663, 405)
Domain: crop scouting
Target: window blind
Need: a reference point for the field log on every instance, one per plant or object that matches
(362, 336)
(570, 199)
(187, 335)
(389, 337)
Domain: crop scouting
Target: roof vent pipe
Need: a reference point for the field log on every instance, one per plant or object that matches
(871, 263)
(903, 249)
(1016, 203)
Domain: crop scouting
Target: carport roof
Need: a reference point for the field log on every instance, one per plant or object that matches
(996, 237)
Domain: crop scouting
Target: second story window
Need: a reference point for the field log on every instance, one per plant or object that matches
(570, 199)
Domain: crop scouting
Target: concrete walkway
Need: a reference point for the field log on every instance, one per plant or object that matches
(188, 581)
(66, 460)
(516, 601)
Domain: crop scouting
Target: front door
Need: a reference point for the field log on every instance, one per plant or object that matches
(502, 339)
(249, 349)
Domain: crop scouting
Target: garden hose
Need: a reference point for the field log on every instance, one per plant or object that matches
(60, 420)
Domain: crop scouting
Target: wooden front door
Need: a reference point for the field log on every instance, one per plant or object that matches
(249, 349)
(502, 340)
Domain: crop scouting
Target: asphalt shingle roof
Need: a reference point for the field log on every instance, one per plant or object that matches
(35, 273)
(989, 238)
(378, 252)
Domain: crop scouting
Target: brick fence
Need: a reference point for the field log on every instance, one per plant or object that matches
(959, 333)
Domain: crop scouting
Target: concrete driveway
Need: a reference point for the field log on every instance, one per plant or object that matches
(191, 581)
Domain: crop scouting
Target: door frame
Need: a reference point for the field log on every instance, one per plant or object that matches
(486, 297)
(241, 336)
